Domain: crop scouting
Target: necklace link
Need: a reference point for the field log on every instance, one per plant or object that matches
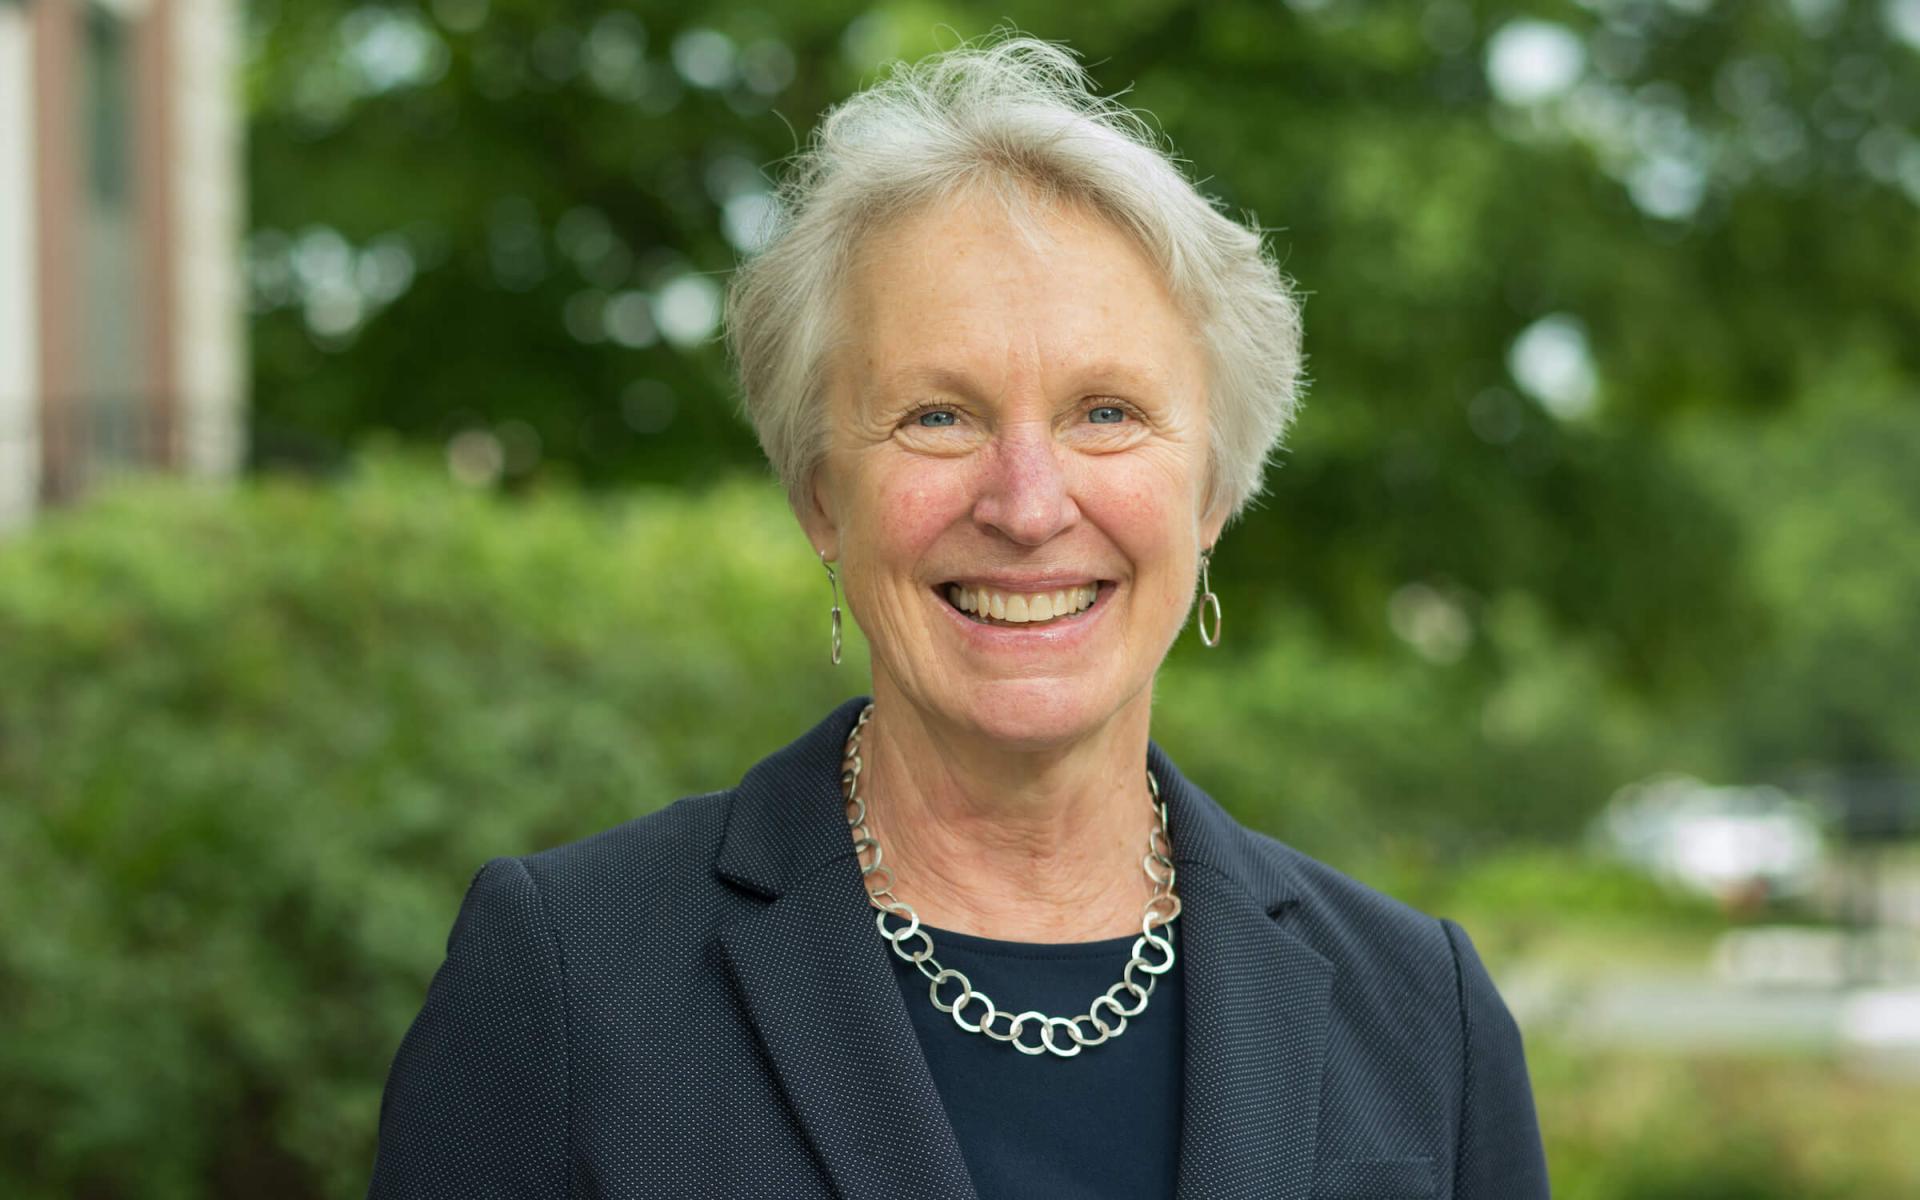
(1156, 934)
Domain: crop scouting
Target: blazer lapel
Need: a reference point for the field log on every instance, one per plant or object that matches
(819, 989)
(1258, 1002)
(818, 986)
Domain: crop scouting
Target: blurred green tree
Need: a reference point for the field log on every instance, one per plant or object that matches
(1530, 235)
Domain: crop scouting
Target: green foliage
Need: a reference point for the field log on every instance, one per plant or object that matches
(1633, 1127)
(1530, 897)
(1832, 498)
(253, 747)
(1718, 204)
(1359, 746)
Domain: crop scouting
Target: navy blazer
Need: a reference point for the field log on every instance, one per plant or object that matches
(696, 1003)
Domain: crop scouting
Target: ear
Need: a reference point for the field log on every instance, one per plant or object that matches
(813, 504)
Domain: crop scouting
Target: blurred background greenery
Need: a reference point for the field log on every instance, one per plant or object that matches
(1608, 480)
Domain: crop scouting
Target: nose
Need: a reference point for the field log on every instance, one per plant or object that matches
(1024, 493)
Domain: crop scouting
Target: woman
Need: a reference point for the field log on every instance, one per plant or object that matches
(976, 937)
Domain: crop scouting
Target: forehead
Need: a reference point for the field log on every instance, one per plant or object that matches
(965, 290)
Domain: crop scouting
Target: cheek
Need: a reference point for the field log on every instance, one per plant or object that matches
(908, 511)
(1153, 523)
(1143, 516)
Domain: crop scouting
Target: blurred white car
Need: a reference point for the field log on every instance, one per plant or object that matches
(1728, 842)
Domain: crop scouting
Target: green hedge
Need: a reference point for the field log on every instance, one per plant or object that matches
(253, 746)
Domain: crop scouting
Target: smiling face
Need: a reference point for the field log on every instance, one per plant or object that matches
(1015, 471)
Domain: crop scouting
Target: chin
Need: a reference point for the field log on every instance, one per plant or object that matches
(1037, 714)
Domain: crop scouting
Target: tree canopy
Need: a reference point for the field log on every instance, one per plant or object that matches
(1531, 237)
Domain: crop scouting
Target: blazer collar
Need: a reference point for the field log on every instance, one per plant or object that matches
(820, 991)
(786, 820)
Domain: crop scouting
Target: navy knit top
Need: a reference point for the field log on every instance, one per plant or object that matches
(1103, 1124)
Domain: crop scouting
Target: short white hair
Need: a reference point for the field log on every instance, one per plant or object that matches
(1017, 116)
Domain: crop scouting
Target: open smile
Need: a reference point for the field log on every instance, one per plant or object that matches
(1032, 609)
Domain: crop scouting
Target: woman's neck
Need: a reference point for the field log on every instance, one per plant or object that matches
(1025, 846)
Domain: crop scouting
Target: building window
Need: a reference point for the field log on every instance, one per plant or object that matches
(114, 384)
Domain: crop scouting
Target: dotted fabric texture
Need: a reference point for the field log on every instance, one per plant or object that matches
(696, 1004)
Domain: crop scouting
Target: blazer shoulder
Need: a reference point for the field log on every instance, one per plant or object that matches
(644, 859)
(1356, 924)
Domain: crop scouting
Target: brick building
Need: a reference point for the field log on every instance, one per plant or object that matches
(122, 302)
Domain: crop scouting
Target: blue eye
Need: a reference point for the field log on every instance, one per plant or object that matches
(1107, 414)
(939, 418)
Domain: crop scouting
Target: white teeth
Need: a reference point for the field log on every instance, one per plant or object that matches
(1023, 607)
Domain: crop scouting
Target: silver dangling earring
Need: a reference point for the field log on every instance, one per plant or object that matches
(1208, 601)
(833, 580)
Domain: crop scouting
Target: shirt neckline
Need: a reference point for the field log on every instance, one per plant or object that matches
(998, 948)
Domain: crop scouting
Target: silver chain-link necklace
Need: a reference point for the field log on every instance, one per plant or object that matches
(1162, 907)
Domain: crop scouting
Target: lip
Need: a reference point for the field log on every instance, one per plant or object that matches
(1051, 582)
(1062, 633)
